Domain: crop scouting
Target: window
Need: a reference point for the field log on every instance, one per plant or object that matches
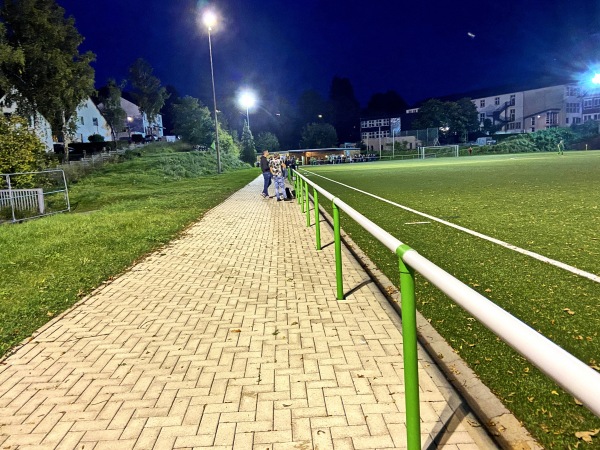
(482, 103)
(587, 103)
(533, 121)
(82, 121)
(95, 121)
(497, 101)
(567, 120)
(597, 101)
(576, 119)
(551, 118)
(482, 117)
(573, 107)
(572, 91)
(514, 126)
(512, 115)
(512, 99)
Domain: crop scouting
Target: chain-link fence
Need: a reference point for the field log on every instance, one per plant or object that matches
(27, 195)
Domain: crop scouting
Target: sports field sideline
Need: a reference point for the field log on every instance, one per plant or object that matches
(544, 203)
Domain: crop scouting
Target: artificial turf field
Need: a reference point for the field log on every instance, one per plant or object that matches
(543, 202)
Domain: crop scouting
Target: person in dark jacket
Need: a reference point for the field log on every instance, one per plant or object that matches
(266, 171)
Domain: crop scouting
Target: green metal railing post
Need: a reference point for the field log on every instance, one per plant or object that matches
(409, 348)
(317, 218)
(337, 235)
(302, 183)
(298, 193)
(306, 202)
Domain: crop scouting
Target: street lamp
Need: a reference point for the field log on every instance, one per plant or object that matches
(247, 100)
(210, 19)
(129, 121)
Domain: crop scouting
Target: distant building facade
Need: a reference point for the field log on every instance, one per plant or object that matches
(532, 110)
(137, 122)
(90, 121)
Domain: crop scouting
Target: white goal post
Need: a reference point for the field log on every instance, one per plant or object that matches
(437, 151)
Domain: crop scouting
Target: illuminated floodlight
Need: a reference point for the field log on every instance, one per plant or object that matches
(209, 18)
(596, 78)
(247, 99)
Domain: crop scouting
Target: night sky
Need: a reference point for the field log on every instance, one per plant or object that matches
(282, 48)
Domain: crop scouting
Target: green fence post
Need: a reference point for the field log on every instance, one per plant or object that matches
(409, 348)
(307, 207)
(302, 183)
(306, 202)
(317, 218)
(298, 192)
(337, 235)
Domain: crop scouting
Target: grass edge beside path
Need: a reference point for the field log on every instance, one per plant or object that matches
(48, 265)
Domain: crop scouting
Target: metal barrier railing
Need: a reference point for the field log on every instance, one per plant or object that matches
(573, 375)
(24, 204)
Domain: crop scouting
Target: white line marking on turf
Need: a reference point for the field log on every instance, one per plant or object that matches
(553, 262)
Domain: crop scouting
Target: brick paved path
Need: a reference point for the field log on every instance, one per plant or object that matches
(230, 337)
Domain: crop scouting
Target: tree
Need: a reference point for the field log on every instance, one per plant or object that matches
(390, 104)
(248, 148)
(267, 141)
(463, 118)
(110, 97)
(20, 149)
(454, 119)
(10, 57)
(192, 121)
(319, 135)
(55, 78)
(345, 108)
(148, 94)
(312, 107)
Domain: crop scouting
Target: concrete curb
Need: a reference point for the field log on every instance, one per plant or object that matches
(507, 431)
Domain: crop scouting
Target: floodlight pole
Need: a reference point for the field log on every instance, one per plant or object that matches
(212, 74)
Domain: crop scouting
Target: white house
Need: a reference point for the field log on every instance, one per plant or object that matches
(91, 121)
(40, 125)
(138, 123)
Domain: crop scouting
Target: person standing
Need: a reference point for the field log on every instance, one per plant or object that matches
(266, 171)
(277, 166)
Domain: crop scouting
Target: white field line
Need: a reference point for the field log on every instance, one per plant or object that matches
(553, 262)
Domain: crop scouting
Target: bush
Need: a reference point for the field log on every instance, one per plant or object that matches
(96, 138)
(20, 149)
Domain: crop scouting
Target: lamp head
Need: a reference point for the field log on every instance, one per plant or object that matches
(209, 18)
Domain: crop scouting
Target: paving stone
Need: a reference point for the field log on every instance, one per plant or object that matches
(230, 336)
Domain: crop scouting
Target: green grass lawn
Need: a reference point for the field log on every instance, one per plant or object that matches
(120, 213)
(544, 203)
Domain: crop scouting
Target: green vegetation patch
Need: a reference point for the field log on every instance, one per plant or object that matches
(120, 213)
(545, 203)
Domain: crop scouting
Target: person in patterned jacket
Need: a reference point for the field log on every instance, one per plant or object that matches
(277, 165)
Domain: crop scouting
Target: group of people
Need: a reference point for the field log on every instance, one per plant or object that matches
(274, 170)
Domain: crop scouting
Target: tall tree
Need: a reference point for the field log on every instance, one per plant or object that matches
(193, 121)
(389, 104)
(55, 78)
(312, 107)
(319, 135)
(267, 141)
(148, 94)
(173, 98)
(346, 109)
(248, 147)
(110, 97)
(454, 119)
(9, 57)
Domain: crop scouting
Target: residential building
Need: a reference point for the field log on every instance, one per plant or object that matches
(526, 111)
(138, 123)
(534, 109)
(90, 121)
(38, 124)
